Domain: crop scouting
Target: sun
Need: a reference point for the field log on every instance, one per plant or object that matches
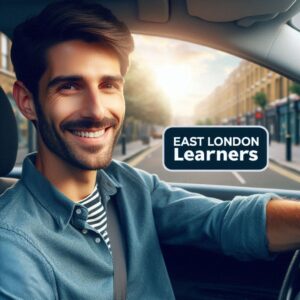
(174, 80)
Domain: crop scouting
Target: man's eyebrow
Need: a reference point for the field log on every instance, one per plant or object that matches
(60, 79)
(117, 78)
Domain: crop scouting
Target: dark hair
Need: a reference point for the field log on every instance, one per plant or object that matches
(63, 21)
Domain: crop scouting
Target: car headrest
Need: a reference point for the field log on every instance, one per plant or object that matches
(8, 135)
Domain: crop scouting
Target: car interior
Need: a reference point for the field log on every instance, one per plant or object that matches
(260, 31)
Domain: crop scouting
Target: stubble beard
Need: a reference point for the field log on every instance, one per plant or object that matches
(93, 158)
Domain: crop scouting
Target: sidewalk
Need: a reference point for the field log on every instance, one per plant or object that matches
(132, 149)
(277, 155)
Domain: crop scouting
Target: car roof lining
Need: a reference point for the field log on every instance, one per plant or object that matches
(233, 10)
(245, 12)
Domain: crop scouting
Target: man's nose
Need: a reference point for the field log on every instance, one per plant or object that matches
(93, 106)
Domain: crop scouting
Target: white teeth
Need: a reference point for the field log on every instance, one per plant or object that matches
(89, 134)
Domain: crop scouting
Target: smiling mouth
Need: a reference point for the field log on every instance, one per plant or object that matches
(89, 134)
(89, 128)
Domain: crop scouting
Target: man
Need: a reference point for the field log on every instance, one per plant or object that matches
(70, 62)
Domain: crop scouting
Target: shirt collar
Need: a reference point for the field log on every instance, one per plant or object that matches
(56, 203)
(107, 186)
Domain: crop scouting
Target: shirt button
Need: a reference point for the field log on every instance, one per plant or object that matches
(97, 240)
(84, 231)
(78, 211)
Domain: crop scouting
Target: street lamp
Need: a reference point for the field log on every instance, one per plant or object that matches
(237, 91)
(288, 137)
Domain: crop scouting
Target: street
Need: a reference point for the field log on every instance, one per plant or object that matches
(273, 177)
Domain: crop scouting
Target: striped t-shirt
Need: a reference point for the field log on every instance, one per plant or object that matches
(96, 214)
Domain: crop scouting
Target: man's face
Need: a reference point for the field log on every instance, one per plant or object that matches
(81, 104)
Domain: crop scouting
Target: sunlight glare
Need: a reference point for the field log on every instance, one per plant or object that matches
(174, 80)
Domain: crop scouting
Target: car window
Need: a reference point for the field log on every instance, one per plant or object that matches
(172, 82)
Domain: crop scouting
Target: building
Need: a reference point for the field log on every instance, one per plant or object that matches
(232, 102)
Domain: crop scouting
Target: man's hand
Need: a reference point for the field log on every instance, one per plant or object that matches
(283, 225)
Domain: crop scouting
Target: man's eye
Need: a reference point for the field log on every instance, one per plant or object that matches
(68, 86)
(107, 85)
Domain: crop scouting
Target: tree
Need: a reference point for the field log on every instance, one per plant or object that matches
(144, 100)
(295, 88)
(207, 121)
(261, 100)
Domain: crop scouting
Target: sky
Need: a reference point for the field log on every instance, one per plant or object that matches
(185, 72)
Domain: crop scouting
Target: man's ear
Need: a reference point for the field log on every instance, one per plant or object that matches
(24, 100)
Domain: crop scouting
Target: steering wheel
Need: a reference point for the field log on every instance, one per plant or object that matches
(290, 289)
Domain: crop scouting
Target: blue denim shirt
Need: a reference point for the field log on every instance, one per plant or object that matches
(48, 251)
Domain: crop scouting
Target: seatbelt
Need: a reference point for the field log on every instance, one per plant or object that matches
(118, 251)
